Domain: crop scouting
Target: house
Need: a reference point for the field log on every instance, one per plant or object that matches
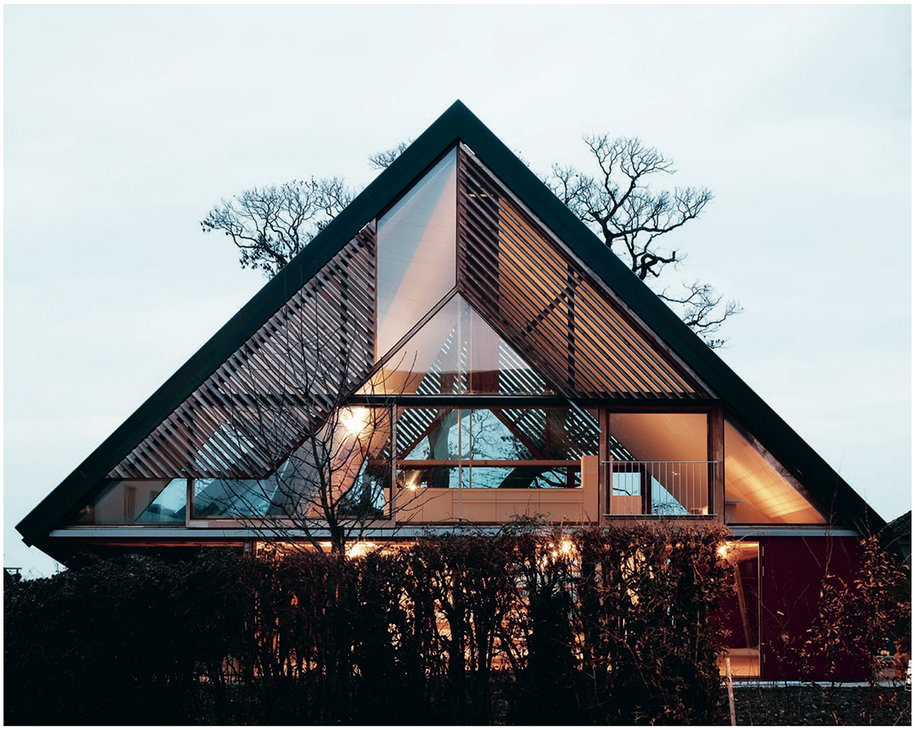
(474, 353)
(899, 533)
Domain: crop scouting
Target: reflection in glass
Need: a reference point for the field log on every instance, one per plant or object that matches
(661, 487)
(233, 497)
(416, 253)
(345, 468)
(137, 501)
(456, 353)
(495, 448)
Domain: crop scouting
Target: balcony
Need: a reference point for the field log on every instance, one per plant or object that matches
(671, 489)
(664, 488)
(417, 503)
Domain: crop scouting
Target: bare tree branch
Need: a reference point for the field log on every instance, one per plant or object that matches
(271, 225)
(702, 310)
(618, 204)
(330, 470)
(383, 159)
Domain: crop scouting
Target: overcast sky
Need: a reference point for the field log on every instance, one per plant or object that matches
(124, 125)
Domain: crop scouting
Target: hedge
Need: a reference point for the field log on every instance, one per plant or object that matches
(524, 627)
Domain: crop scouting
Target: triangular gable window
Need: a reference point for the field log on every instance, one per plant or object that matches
(137, 501)
(755, 490)
(456, 353)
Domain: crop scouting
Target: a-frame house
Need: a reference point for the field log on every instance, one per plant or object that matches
(456, 347)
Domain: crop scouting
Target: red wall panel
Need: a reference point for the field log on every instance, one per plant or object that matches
(792, 575)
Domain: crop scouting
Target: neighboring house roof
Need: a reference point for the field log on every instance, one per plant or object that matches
(901, 527)
(458, 124)
(898, 533)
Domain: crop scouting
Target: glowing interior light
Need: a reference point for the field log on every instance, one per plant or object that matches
(355, 421)
(358, 549)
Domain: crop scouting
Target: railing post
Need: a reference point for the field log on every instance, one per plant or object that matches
(590, 487)
(716, 456)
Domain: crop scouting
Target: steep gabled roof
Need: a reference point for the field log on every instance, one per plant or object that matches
(456, 125)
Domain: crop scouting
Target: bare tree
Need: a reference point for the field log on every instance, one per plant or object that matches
(312, 456)
(619, 206)
(271, 225)
(383, 159)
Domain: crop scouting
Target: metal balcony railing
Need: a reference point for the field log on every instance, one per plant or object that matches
(671, 488)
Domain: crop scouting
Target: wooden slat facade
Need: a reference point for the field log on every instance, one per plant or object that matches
(251, 413)
(549, 305)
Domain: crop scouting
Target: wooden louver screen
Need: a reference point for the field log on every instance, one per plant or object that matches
(551, 308)
(253, 410)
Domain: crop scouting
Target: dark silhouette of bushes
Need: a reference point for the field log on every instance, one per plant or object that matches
(524, 627)
(126, 641)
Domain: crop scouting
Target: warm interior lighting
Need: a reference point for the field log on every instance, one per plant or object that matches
(355, 420)
(565, 548)
(359, 549)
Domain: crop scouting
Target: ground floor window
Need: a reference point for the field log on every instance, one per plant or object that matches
(740, 610)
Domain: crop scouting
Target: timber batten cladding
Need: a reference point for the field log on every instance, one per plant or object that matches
(509, 266)
(518, 273)
(500, 246)
(267, 379)
(507, 363)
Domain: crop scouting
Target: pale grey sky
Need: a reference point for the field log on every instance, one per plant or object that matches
(123, 125)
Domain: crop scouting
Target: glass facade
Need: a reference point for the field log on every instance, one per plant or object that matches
(416, 253)
(438, 344)
(234, 497)
(456, 353)
(756, 490)
(136, 502)
(659, 466)
(660, 463)
(492, 448)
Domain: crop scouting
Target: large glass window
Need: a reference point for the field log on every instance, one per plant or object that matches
(456, 353)
(756, 490)
(416, 253)
(137, 501)
(491, 448)
(659, 463)
(234, 497)
(344, 468)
